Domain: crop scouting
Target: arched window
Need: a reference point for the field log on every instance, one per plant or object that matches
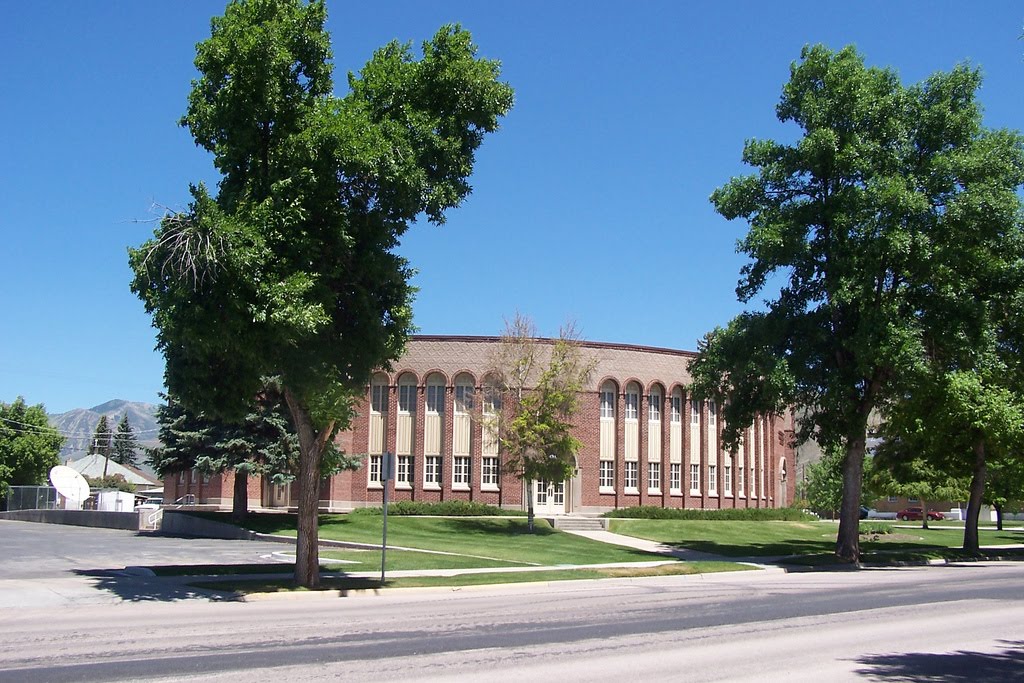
(608, 400)
(632, 401)
(654, 404)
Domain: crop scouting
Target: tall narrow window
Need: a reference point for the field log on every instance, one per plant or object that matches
(727, 479)
(606, 476)
(712, 413)
(463, 394)
(712, 479)
(435, 395)
(675, 477)
(432, 472)
(631, 476)
(632, 402)
(654, 405)
(489, 473)
(694, 478)
(373, 477)
(694, 412)
(676, 414)
(460, 472)
(608, 401)
(654, 477)
(403, 477)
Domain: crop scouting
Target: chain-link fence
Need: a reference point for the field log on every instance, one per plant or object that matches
(31, 498)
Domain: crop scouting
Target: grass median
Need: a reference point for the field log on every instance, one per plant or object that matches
(898, 541)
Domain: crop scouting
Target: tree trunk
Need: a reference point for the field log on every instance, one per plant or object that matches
(974, 502)
(311, 449)
(240, 496)
(848, 539)
(999, 516)
(529, 504)
(924, 513)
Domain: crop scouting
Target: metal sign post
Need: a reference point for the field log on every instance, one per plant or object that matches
(387, 475)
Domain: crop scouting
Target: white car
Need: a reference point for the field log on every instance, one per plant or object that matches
(150, 504)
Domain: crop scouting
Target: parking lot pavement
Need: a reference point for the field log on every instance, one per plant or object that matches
(47, 564)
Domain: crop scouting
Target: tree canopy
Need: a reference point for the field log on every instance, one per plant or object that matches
(890, 195)
(290, 270)
(29, 446)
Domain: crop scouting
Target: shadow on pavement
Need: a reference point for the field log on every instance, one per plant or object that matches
(951, 667)
(134, 588)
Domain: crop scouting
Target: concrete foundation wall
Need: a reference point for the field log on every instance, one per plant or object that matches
(93, 518)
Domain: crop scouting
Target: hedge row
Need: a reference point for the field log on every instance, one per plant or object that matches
(448, 508)
(737, 514)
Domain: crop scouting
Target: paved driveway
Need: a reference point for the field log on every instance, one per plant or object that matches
(53, 563)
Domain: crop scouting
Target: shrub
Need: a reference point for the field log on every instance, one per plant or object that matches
(735, 514)
(875, 528)
(448, 508)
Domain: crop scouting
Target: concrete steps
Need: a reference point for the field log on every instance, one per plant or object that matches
(578, 523)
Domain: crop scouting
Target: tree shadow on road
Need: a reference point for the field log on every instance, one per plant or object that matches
(950, 667)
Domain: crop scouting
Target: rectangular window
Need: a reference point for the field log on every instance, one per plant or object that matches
(712, 479)
(654, 407)
(432, 471)
(373, 478)
(435, 398)
(407, 398)
(460, 472)
(694, 412)
(632, 405)
(712, 413)
(892, 499)
(463, 398)
(654, 477)
(379, 398)
(631, 476)
(489, 473)
(606, 475)
(913, 500)
(753, 483)
(694, 478)
(675, 477)
(403, 477)
(739, 480)
(727, 479)
(492, 401)
(181, 477)
(677, 409)
(608, 405)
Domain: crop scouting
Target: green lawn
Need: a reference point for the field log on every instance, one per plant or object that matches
(504, 539)
(752, 539)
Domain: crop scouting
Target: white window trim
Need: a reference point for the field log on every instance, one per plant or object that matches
(372, 481)
(636, 478)
(694, 481)
(460, 485)
(432, 485)
(654, 489)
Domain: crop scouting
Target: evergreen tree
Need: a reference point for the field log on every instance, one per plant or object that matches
(125, 446)
(102, 438)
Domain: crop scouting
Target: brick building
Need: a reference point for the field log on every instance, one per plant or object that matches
(645, 441)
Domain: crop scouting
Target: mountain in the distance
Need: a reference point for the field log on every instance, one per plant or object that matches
(78, 425)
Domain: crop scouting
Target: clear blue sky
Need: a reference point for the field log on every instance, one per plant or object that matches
(591, 203)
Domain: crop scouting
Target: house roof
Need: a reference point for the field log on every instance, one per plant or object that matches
(92, 466)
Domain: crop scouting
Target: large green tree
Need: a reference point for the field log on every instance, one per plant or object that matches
(859, 220)
(290, 270)
(539, 383)
(29, 446)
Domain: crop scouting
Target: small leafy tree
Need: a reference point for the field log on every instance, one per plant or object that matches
(125, 446)
(823, 487)
(540, 382)
(29, 446)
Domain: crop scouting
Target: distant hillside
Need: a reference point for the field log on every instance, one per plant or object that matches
(79, 424)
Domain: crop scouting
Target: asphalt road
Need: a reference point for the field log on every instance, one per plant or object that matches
(957, 623)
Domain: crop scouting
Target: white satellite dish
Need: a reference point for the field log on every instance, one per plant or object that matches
(70, 483)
